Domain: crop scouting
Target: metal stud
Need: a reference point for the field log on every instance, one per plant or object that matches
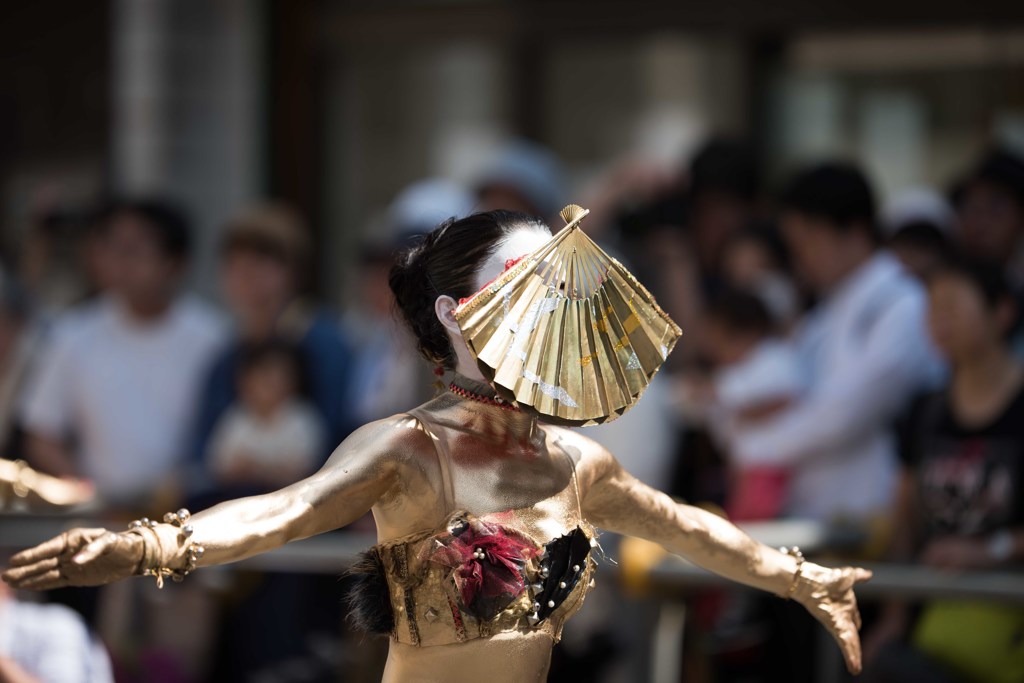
(551, 603)
(431, 614)
(187, 530)
(561, 584)
(575, 567)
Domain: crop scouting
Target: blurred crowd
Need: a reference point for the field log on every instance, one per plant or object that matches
(845, 360)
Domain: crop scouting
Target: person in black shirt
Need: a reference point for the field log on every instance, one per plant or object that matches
(963, 507)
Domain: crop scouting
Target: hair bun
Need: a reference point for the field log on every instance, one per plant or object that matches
(446, 262)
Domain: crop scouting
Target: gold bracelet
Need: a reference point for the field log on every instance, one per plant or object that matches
(193, 552)
(794, 552)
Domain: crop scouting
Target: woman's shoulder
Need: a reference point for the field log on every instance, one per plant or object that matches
(398, 434)
(581, 448)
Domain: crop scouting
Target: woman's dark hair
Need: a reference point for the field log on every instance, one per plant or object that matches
(446, 261)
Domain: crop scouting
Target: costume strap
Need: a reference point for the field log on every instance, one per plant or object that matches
(443, 460)
(575, 486)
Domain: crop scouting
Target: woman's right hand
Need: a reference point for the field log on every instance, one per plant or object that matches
(79, 557)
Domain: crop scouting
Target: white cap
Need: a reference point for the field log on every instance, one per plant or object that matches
(423, 205)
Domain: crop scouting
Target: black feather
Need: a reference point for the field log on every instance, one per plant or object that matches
(368, 599)
(560, 556)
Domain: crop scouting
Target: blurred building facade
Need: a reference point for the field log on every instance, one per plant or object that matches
(335, 106)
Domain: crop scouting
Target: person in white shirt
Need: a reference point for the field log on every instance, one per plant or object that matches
(866, 348)
(270, 437)
(47, 644)
(112, 396)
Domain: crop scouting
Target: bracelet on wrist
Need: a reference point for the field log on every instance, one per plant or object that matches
(796, 553)
(150, 566)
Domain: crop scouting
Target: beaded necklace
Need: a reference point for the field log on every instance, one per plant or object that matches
(471, 395)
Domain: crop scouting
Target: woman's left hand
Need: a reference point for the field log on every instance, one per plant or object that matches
(828, 595)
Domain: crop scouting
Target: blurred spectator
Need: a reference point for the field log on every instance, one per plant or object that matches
(275, 618)
(756, 260)
(50, 264)
(422, 206)
(114, 391)
(47, 644)
(388, 375)
(523, 176)
(17, 345)
(264, 253)
(990, 206)
(757, 375)
(722, 194)
(270, 437)
(965, 507)
(866, 346)
(917, 224)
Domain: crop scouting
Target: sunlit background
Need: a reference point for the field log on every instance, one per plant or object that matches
(679, 123)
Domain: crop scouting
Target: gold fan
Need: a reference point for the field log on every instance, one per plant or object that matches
(568, 332)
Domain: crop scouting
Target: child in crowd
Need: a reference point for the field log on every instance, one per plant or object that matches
(755, 375)
(270, 437)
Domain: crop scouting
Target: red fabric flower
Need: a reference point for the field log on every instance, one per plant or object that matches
(488, 562)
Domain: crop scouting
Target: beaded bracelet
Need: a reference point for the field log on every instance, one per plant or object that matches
(193, 552)
(794, 552)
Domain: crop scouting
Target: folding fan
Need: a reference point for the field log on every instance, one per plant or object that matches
(567, 332)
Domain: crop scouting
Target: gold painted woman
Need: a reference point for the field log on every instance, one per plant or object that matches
(485, 503)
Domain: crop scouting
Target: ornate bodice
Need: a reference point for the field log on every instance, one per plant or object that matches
(478, 575)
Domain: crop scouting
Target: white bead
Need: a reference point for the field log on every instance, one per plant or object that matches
(561, 584)
(551, 603)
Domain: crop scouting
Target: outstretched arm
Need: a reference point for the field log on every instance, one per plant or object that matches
(616, 501)
(359, 473)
